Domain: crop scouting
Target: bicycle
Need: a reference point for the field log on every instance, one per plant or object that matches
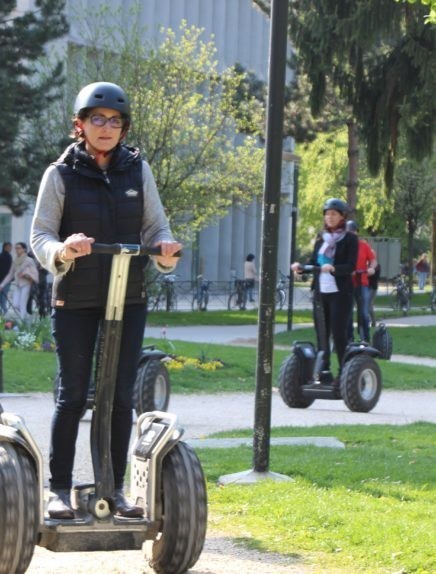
(280, 294)
(238, 297)
(200, 298)
(400, 295)
(166, 298)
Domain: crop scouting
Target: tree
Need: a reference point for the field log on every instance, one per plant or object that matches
(23, 41)
(430, 18)
(413, 196)
(380, 55)
(185, 119)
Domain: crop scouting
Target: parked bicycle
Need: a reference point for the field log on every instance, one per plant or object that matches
(238, 297)
(200, 298)
(166, 297)
(280, 295)
(400, 295)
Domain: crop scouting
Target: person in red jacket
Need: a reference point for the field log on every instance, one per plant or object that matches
(365, 268)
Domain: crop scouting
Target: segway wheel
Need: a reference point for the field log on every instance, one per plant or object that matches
(290, 381)
(361, 383)
(184, 502)
(382, 341)
(152, 387)
(19, 507)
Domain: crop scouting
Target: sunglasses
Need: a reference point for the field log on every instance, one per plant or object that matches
(100, 121)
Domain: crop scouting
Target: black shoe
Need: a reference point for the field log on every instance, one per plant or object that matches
(125, 508)
(59, 504)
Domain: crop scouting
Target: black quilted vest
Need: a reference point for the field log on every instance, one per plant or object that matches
(109, 207)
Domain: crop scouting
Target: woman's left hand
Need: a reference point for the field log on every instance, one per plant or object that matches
(168, 249)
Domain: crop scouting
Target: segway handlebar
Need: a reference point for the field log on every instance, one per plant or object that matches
(313, 269)
(129, 248)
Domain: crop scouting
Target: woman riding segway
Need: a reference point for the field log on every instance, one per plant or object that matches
(335, 253)
(305, 375)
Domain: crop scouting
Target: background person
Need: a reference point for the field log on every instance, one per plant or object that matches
(335, 252)
(5, 266)
(365, 268)
(23, 272)
(98, 190)
(250, 276)
(422, 269)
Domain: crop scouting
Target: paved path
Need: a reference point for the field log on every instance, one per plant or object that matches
(231, 411)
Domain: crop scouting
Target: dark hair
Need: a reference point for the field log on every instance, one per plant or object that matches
(6, 244)
(249, 257)
(22, 244)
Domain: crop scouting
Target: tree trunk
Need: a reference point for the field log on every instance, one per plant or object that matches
(353, 166)
(410, 239)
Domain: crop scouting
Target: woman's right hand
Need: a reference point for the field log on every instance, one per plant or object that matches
(296, 267)
(76, 245)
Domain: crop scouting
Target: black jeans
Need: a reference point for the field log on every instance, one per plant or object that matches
(75, 333)
(336, 308)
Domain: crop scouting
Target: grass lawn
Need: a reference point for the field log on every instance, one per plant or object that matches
(366, 509)
(33, 371)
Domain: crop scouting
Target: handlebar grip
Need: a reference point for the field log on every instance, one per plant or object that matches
(130, 248)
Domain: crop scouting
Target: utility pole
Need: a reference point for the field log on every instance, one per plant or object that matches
(268, 262)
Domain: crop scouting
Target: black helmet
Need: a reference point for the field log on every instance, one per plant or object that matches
(337, 205)
(352, 226)
(103, 95)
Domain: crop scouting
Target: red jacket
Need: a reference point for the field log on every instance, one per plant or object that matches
(365, 255)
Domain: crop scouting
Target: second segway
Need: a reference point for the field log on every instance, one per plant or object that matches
(302, 379)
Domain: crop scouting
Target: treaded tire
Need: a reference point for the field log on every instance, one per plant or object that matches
(290, 383)
(184, 512)
(152, 387)
(19, 506)
(382, 341)
(361, 383)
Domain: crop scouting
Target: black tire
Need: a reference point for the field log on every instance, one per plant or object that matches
(395, 300)
(361, 383)
(184, 512)
(405, 301)
(152, 387)
(19, 509)
(382, 341)
(290, 381)
(56, 393)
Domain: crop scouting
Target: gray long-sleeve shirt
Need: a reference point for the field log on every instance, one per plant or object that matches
(44, 236)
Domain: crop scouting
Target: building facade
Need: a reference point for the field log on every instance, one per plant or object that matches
(241, 34)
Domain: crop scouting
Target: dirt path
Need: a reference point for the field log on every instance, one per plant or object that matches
(220, 556)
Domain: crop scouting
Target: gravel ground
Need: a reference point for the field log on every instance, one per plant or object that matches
(220, 555)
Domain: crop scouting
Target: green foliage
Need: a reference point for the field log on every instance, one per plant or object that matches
(367, 508)
(25, 94)
(323, 173)
(430, 18)
(187, 115)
